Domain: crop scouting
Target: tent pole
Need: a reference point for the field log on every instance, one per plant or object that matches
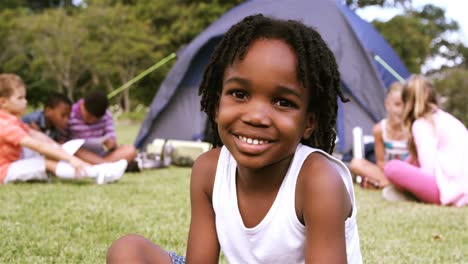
(388, 68)
(141, 75)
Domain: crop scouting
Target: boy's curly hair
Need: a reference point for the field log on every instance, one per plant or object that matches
(54, 99)
(316, 69)
(96, 103)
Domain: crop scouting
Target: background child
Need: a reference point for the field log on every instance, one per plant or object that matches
(390, 142)
(438, 168)
(15, 135)
(53, 120)
(91, 121)
(265, 195)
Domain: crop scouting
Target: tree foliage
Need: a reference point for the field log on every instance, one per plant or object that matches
(56, 46)
(404, 34)
(101, 44)
(420, 35)
(122, 44)
(35, 5)
(453, 86)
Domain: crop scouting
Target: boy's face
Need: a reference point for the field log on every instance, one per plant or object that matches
(58, 115)
(16, 103)
(87, 116)
(262, 113)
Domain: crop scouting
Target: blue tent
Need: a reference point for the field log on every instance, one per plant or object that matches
(376, 45)
(175, 110)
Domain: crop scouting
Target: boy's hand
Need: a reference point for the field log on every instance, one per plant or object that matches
(110, 144)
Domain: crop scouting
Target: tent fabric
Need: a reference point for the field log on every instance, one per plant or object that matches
(377, 45)
(175, 110)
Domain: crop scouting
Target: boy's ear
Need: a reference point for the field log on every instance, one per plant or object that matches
(310, 126)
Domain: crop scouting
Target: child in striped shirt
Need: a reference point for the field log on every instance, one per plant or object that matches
(90, 120)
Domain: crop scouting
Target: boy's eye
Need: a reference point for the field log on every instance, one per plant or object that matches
(239, 94)
(285, 103)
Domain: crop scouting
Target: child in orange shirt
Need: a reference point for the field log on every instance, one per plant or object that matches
(46, 154)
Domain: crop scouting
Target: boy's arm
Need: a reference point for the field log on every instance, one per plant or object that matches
(110, 143)
(203, 245)
(323, 204)
(38, 135)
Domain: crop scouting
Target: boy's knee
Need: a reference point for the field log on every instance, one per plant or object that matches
(128, 152)
(125, 249)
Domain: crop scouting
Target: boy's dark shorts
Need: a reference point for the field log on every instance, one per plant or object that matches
(176, 259)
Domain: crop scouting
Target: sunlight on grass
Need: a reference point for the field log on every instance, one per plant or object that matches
(75, 222)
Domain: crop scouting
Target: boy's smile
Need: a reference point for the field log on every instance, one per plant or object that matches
(262, 113)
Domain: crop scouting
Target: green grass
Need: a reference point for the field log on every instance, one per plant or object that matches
(75, 222)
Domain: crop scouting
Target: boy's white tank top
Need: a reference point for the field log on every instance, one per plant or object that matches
(280, 236)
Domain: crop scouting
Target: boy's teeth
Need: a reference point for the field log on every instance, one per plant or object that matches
(252, 141)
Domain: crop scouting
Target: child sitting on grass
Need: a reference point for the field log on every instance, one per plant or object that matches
(53, 120)
(390, 142)
(270, 192)
(45, 155)
(437, 169)
(90, 120)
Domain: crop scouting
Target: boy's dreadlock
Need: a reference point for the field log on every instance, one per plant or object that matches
(317, 71)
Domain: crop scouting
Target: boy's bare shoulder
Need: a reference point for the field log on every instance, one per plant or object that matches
(204, 169)
(319, 172)
(320, 181)
(207, 161)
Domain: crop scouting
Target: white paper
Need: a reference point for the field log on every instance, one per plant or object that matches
(73, 145)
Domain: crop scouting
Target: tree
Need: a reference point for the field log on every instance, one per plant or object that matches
(463, 51)
(405, 35)
(454, 88)
(122, 46)
(419, 35)
(8, 28)
(35, 5)
(54, 43)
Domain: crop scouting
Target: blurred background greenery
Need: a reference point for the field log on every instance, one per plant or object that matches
(73, 46)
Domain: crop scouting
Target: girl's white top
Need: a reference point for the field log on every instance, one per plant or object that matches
(280, 237)
(393, 149)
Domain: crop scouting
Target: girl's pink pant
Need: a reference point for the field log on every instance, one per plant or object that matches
(412, 179)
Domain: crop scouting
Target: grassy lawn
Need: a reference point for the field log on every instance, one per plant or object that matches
(75, 222)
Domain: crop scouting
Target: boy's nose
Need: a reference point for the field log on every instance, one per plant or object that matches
(257, 114)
